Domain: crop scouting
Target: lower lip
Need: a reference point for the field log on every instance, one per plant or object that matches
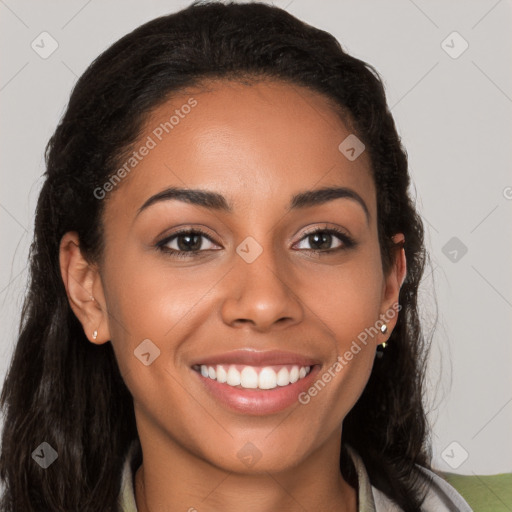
(258, 401)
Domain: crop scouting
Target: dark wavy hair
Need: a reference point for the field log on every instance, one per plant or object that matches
(66, 391)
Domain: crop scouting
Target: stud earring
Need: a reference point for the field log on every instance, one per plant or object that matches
(384, 330)
(94, 335)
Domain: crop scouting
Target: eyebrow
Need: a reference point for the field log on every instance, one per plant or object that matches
(216, 201)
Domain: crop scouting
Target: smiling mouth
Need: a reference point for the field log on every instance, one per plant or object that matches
(253, 377)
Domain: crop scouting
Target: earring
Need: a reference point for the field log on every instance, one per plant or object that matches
(384, 330)
(94, 335)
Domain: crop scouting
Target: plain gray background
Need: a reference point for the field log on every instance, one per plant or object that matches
(454, 113)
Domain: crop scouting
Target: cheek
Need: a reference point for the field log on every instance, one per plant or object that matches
(347, 298)
(147, 300)
(148, 296)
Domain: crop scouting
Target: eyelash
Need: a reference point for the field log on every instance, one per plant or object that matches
(348, 242)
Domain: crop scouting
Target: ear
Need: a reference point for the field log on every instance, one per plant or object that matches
(391, 288)
(84, 289)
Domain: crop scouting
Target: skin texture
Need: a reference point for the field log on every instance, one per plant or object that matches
(257, 145)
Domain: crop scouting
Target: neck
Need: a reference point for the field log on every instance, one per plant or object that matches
(192, 484)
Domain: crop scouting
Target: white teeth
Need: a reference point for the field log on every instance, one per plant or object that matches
(249, 378)
(267, 378)
(233, 378)
(294, 374)
(283, 377)
(222, 376)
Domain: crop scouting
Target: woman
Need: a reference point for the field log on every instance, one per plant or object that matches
(222, 310)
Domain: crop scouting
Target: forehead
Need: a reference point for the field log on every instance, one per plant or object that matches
(251, 143)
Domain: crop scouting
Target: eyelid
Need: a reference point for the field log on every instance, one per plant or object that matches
(324, 226)
(186, 230)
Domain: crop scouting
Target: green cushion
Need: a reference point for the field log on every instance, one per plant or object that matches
(484, 493)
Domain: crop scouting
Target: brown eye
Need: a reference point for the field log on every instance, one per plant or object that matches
(186, 243)
(322, 240)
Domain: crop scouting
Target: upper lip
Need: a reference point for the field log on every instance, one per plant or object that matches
(257, 358)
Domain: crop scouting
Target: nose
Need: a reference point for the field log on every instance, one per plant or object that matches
(261, 294)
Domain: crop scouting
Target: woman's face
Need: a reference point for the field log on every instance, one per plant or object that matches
(249, 292)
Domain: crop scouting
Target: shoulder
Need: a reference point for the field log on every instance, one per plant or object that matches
(440, 495)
